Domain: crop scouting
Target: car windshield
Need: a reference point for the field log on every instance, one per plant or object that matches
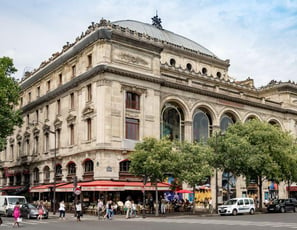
(31, 206)
(231, 202)
(13, 200)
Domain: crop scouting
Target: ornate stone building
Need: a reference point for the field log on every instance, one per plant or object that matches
(117, 83)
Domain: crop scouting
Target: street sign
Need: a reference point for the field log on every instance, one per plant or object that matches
(77, 191)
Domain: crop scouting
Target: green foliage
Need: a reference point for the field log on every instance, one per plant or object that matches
(9, 97)
(195, 161)
(153, 158)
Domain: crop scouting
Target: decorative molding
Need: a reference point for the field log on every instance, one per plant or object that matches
(11, 140)
(132, 59)
(71, 119)
(134, 88)
(104, 82)
(19, 138)
(88, 111)
(58, 123)
(27, 135)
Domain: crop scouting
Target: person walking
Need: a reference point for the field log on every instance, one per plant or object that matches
(40, 211)
(16, 214)
(62, 210)
(100, 208)
(78, 209)
(128, 206)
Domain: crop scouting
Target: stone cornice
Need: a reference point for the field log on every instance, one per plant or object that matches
(150, 78)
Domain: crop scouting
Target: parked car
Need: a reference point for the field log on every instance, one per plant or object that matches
(236, 206)
(282, 205)
(7, 203)
(31, 211)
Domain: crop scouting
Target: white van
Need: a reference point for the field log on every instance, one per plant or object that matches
(237, 205)
(7, 204)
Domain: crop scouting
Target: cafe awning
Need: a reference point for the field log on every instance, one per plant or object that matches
(45, 187)
(107, 185)
(11, 188)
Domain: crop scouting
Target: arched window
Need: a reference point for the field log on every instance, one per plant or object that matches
(46, 172)
(89, 166)
(172, 119)
(226, 120)
(125, 165)
(201, 123)
(36, 175)
(71, 168)
(58, 170)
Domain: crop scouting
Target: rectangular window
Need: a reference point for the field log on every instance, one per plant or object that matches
(89, 88)
(28, 119)
(29, 97)
(59, 107)
(60, 79)
(46, 112)
(71, 134)
(58, 132)
(132, 129)
(73, 68)
(38, 91)
(37, 115)
(46, 144)
(21, 101)
(48, 85)
(72, 101)
(89, 60)
(36, 144)
(89, 129)
(132, 101)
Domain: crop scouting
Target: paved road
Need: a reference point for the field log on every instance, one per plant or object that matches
(246, 222)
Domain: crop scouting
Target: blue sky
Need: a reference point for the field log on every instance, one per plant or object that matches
(258, 36)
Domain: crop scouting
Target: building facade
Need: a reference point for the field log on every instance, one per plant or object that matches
(87, 105)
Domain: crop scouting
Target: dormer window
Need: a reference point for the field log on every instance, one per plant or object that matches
(189, 66)
(204, 71)
(219, 75)
(172, 62)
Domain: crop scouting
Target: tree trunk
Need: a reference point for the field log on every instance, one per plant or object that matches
(260, 192)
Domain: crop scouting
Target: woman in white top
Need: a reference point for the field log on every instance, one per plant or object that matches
(62, 210)
(78, 210)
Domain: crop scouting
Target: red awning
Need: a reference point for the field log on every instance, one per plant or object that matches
(44, 188)
(107, 185)
(292, 188)
(11, 188)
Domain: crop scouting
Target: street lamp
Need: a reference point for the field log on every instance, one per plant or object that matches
(55, 159)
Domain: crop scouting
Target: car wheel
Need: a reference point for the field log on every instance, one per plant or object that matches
(282, 210)
(252, 211)
(234, 212)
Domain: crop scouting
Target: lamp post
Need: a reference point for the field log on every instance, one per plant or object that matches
(55, 159)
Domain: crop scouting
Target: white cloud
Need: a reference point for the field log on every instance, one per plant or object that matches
(257, 37)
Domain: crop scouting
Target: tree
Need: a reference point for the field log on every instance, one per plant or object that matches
(255, 149)
(194, 164)
(9, 97)
(153, 159)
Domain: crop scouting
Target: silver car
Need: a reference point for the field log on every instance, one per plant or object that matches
(31, 211)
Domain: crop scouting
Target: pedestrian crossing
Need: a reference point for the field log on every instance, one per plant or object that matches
(272, 224)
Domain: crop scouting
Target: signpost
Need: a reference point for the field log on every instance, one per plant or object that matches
(77, 191)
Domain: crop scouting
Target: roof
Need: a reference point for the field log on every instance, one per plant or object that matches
(163, 35)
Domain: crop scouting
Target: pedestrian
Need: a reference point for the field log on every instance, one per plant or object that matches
(99, 207)
(40, 209)
(163, 205)
(16, 214)
(62, 209)
(78, 209)
(210, 205)
(128, 206)
(108, 209)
